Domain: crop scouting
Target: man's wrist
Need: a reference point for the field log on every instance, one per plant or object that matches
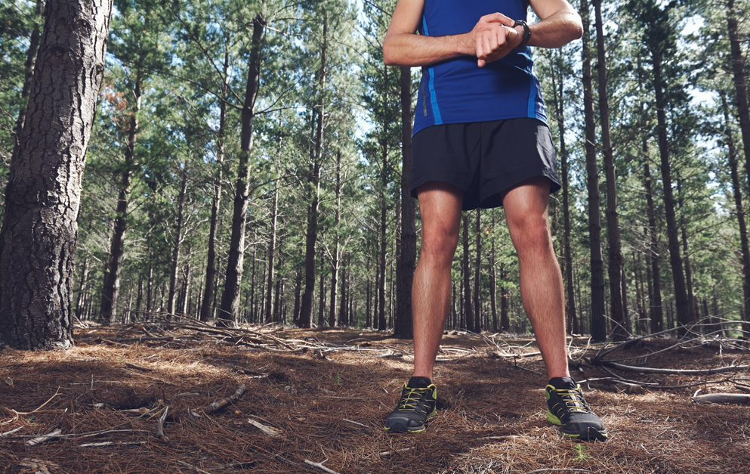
(525, 31)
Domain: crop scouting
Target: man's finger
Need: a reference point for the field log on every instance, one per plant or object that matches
(496, 18)
(480, 49)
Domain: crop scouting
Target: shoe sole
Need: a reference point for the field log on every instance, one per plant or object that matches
(593, 435)
(421, 429)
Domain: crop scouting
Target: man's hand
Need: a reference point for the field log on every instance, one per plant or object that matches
(496, 42)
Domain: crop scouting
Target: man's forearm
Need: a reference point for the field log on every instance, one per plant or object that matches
(556, 30)
(417, 50)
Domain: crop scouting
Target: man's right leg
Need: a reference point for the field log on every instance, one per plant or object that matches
(440, 208)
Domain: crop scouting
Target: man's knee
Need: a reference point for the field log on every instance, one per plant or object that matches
(439, 245)
(530, 233)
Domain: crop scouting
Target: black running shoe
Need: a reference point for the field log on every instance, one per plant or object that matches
(415, 408)
(568, 409)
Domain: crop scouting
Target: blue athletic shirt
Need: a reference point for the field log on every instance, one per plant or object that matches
(459, 91)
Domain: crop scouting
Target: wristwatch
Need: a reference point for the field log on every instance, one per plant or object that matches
(526, 32)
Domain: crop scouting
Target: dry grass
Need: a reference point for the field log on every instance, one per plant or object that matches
(492, 417)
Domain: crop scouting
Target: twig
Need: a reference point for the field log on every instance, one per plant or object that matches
(43, 438)
(656, 370)
(110, 443)
(356, 423)
(8, 433)
(220, 404)
(739, 398)
(197, 469)
(16, 414)
(320, 466)
(269, 430)
(160, 425)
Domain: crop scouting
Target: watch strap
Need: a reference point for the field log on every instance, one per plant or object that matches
(526, 32)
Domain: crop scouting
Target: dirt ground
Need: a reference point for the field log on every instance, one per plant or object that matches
(321, 397)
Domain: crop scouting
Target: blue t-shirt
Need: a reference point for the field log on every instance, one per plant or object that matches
(459, 91)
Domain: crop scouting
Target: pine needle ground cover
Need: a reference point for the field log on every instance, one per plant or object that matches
(187, 398)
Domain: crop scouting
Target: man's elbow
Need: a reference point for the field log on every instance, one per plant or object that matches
(389, 53)
(576, 28)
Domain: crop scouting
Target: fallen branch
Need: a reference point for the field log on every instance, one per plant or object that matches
(221, 404)
(657, 370)
(16, 414)
(735, 398)
(110, 443)
(41, 439)
(356, 423)
(320, 466)
(160, 425)
(8, 433)
(269, 430)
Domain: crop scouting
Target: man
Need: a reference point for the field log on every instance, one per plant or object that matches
(481, 140)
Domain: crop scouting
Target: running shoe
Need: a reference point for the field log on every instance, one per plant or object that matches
(415, 408)
(568, 409)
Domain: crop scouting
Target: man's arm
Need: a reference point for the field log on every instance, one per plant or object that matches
(560, 24)
(403, 47)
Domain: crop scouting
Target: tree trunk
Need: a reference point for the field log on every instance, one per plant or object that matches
(493, 280)
(598, 321)
(322, 302)
(208, 289)
(615, 260)
(272, 251)
(656, 313)
(675, 259)
(478, 274)
(177, 242)
(312, 217)
(692, 305)
(739, 207)
(41, 207)
(82, 284)
(297, 293)
(504, 301)
(111, 288)
(382, 323)
(231, 296)
(407, 257)
(740, 84)
(466, 271)
(335, 256)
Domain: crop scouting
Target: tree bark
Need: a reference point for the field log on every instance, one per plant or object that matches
(210, 282)
(598, 321)
(312, 217)
(176, 247)
(382, 323)
(740, 83)
(739, 208)
(675, 259)
(504, 301)
(615, 260)
(44, 189)
(272, 251)
(478, 273)
(231, 295)
(466, 271)
(335, 257)
(407, 257)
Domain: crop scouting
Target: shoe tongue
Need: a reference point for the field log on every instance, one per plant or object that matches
(419, 382)
(565, 383)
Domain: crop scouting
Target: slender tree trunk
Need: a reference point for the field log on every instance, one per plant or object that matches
(111, 288)
(335, 256)
(615, 260)
(656, 313)
(504, 301)
(739, 208)
(233, 283)
(272, 250)
(407, 257)
(382, 323)
(468, 302)
(297, 293)
(478, 273)
(210, 277)
(345, 296)
(39, 231)
(177, 241)
(559, 104)
(598, 321)
(312, 218)
(740, 83)
(493, 279)
(82, 284)
(692, 305)
(675, 259)
(322, 302)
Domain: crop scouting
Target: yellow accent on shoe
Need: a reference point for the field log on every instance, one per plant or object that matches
(553, 419)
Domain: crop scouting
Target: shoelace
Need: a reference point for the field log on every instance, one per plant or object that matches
(574, 400)
(410, 400)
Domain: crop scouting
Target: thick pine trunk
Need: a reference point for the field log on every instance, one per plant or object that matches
(177, 245)
(407, 257)
(111, 287)
(739, 208)
(210, 277)
(231, 296)
(675, 259)
(41, 207)
(615, 260)
(311, 239)
(598, 321)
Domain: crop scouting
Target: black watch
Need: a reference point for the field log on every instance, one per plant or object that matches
(526, 32)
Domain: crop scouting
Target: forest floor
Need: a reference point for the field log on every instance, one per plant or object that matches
(138, 399)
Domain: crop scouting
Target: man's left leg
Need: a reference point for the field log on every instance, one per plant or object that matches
(527, 213)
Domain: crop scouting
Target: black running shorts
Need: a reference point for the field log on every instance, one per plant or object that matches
(484, 159)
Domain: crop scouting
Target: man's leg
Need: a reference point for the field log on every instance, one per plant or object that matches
(526, 209)
(440, 208)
